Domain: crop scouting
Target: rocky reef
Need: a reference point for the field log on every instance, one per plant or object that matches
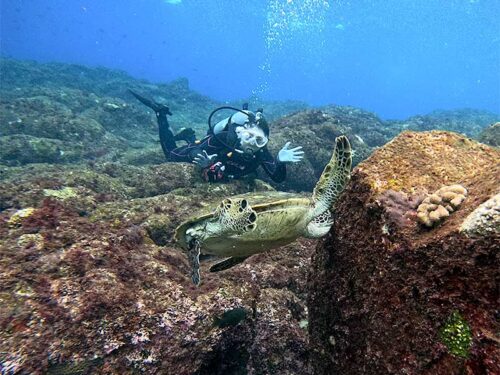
(71, 114)
(92, 283)
(388, 295)
(62, 113)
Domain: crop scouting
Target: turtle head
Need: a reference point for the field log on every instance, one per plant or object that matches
(235, 216)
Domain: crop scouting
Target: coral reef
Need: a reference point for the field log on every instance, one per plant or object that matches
(18, 216)
(388, 296)
(439, 205)
(48, 116)
(92, 283)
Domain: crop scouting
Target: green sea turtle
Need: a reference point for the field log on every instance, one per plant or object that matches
(252, 223)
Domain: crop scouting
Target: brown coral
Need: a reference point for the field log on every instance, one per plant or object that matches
(439, 205)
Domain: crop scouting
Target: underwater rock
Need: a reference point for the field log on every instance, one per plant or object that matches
(439, 205)
(491, 135)
(86, 185)
(386, 294)
(86, 288)
(315, 131)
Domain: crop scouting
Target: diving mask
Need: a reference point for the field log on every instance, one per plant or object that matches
(251, 137)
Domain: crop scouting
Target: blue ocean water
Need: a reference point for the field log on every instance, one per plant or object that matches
(394, 57)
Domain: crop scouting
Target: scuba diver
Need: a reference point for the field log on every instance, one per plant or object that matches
(234, 147)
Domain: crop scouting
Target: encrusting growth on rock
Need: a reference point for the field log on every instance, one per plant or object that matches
(483, 220)
(441, 204)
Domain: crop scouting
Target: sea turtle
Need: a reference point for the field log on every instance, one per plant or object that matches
(252, 223)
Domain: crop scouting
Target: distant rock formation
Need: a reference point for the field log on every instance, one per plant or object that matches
(491, 135)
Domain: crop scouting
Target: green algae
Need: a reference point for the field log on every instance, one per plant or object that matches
(456, 335)
(62, 194)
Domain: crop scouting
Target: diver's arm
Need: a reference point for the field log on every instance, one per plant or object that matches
(274, 168)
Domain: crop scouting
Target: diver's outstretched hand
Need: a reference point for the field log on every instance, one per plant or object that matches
(203, 160)
(290, 155)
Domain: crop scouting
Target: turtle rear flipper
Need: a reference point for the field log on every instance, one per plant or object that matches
(235, 216)
(334, 177)
(227, 263)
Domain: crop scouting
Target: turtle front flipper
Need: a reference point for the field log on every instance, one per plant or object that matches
(334, 177)
(234, 216)
(319, 226)
(193, 255)
(227, 263)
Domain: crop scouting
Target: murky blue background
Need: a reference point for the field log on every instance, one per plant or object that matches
(394, 57)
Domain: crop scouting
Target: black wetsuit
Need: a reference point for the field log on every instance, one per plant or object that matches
(236, 165)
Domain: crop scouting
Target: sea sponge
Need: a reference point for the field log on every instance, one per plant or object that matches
(439, 205)
(484, 220)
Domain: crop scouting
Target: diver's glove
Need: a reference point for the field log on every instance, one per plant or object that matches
(203, 160)
(288, 155)
(214, 173)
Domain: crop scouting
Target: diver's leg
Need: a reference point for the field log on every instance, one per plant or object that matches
(186, 134)
(167, 139)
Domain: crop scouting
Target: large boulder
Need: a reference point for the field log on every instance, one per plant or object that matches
(315, 131)
(388, 295)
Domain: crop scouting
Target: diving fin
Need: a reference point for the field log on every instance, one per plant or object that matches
(157, 107)
(227, 263)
